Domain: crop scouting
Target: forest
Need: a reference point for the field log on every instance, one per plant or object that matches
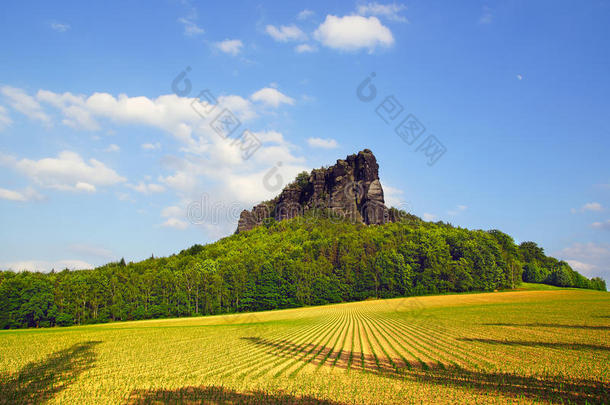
(310, 260)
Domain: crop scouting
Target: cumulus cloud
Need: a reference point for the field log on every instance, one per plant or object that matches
(353, 33)
(74, 108)
(230, 46)
(28, 194)
(25, 104)
(271, 97)
(305, 48)
(68, 171)
(285, 33)
(389, 11)
(202, 158)
(327, 143)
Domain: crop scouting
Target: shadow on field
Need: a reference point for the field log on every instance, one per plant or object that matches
(39, 381)
(219, 395)
(552, 345)
(551, 325)
(553, 388)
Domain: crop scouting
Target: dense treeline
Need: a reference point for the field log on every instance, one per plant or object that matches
(304, 261)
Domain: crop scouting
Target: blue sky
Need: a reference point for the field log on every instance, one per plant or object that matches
(102, 158)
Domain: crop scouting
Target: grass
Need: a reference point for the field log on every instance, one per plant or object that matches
(526, 346)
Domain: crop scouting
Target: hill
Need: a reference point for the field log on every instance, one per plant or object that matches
(309, 260)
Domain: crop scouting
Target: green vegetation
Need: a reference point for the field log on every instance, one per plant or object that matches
(311, 260)
(499, 347)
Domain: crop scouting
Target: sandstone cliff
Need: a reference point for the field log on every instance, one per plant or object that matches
(350, 188)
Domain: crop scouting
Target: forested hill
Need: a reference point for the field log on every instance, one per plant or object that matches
(308, 260)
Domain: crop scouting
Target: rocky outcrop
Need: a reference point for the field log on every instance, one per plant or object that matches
(350, 189)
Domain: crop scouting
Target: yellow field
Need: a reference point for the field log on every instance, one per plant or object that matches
(505, 347)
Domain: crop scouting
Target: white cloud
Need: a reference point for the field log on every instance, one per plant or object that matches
(76, 113)
(151, 146)
(486, 17)
(394, 197)
(42, 265)
(25, 104)
(190, 27)
(112, 148)
(271, 97)
(457, 210)
(29, 194)
(305, 48)
(175, 223)
(60, 27)
(353, 32)
(519, 77)
(428, 217)
(592, 259)
(591, 206)
(286, 33)
(328, 143)
(147, 188)
(5, 120)
(66, 172)
(305, 14)
(230, 46)
(604, 225)
(203, 157)
(389, 11)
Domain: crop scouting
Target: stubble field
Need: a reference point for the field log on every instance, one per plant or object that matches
(504, 347)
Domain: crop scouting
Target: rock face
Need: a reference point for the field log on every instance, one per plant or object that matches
(350, 188)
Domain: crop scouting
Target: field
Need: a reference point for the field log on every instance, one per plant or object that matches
(504, 347)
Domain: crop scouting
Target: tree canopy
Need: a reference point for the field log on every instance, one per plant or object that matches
(304, 261)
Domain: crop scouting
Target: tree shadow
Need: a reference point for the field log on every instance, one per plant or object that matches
(553, 388)
(219, 395)
(552, 325)
(552, 345)
(39, 381)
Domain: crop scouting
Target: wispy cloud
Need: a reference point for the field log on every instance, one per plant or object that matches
(604, 225)
(285, 33)
(59, 27)
(25, 104)
(305, 48)
(29, 194)
(486, 17)
(230, 46)
(591, 206)
(389, 11)
(305, 14)
(151, 146)
(327, 143)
